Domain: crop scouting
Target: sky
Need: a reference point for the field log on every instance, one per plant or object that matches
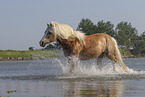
(23, 22)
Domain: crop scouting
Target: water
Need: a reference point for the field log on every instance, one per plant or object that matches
(50, 78)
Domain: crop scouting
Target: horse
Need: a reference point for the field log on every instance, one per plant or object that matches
(78, 46)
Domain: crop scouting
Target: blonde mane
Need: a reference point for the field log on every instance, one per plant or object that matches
(65, 31)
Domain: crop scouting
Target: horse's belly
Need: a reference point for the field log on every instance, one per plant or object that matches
(87, 55)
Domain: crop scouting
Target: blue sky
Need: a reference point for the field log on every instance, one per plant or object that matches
(23, 22)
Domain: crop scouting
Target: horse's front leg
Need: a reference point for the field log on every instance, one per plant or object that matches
(73, 62)
(99, 63)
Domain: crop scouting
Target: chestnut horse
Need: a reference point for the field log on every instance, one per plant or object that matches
(76, 45)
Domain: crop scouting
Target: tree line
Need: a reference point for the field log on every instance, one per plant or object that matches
(125, 34)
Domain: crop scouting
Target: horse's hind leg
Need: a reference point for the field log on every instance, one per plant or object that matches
(113, 58)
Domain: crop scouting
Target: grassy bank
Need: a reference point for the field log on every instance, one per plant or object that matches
(27, 55)
(9, 55)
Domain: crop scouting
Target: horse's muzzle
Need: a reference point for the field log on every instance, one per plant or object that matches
(42, 44)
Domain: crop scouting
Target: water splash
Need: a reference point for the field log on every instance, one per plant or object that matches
(90, 69)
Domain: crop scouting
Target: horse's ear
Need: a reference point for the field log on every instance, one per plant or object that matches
(51, 24)
(47, 24)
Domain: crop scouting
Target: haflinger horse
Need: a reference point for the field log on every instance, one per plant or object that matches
(78, 46)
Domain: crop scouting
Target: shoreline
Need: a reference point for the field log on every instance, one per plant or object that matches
(11, 55)
(25, 59)
(44, 58)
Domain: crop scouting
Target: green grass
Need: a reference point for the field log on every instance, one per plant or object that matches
(45, 53)
(28, 54)
(42, 53)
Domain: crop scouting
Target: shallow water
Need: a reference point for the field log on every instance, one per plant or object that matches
(51, 78)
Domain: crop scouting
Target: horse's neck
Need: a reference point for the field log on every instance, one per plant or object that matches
(70, 48)
(66, 43)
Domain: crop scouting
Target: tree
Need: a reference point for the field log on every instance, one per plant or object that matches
(31, 48)
(143, 43)
(126, 35)
(139, 48)
(87, 26)
(107, 28)
(143, 36)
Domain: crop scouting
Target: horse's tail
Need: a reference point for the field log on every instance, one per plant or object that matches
(118, 56)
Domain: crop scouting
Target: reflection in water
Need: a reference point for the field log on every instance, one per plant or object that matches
(93, 89)
(35, 79)
(61, 88)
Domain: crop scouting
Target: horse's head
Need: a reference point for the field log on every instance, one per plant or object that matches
(49, 36)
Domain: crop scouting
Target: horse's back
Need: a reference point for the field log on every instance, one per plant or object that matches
(99, 35)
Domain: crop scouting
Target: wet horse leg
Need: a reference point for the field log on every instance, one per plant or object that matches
(99, 61)
(73, 62)
(113, 58)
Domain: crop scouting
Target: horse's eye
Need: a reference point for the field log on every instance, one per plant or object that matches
(49, 33)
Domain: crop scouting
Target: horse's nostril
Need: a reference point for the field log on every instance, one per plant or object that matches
(42, 43)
